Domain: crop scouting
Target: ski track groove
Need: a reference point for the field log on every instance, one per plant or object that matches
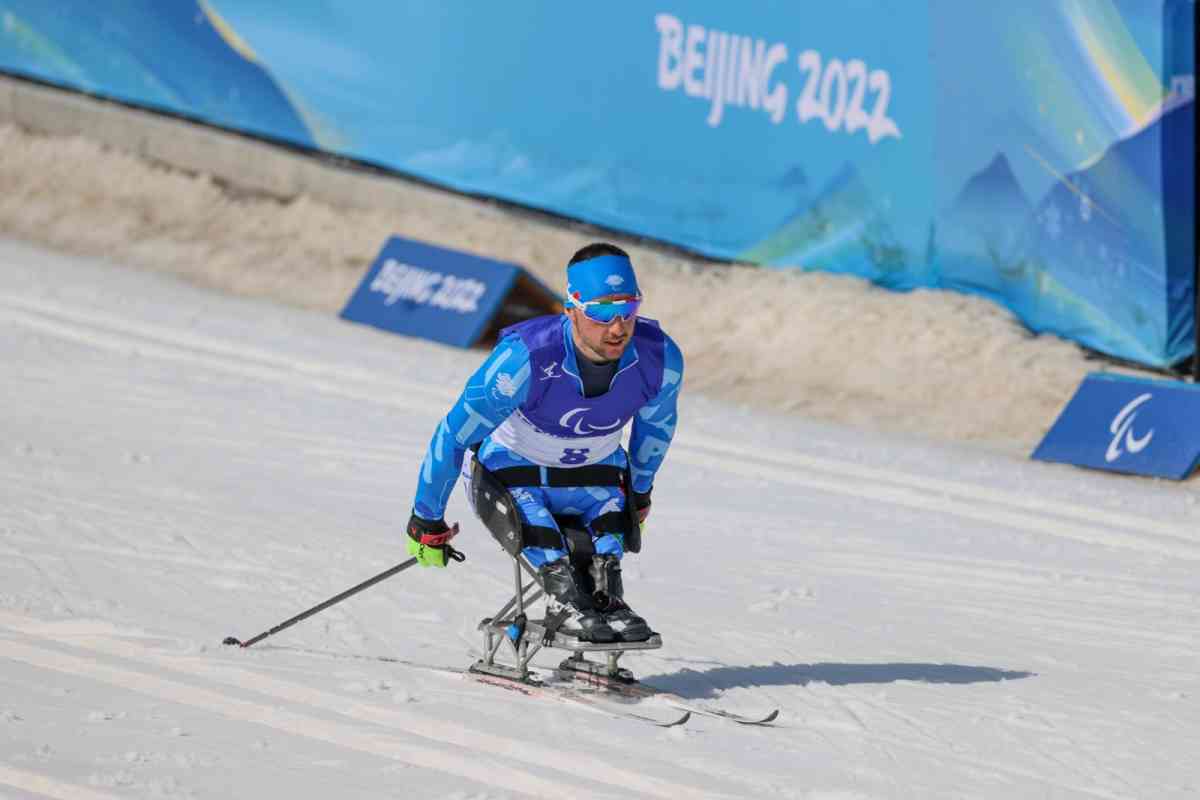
(904, 719)
(292, 723)
(977, 503)
(998, 497)
(1005, 573)
(39, 784)
(990, 767)
(1050, 596)
(499, 749)
(1061, 612)
(117, 509)
(1089, 633)
(162, 557)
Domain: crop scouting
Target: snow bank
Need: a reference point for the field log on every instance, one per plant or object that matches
(830, 348)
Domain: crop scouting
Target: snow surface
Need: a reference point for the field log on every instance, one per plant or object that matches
(933, 620)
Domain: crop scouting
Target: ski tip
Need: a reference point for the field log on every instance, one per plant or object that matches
(233, 641)
(767, 720)
(674, 722)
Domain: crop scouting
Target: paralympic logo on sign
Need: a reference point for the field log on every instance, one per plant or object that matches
(1122, 430)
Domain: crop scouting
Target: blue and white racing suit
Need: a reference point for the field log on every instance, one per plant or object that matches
(525, 407)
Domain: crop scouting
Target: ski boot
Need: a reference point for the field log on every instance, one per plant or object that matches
(569, 610)
(608, 595)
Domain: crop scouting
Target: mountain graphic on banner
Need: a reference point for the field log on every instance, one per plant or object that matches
(1100, 230)
(986, 223)
(181, 56)
(841, 228)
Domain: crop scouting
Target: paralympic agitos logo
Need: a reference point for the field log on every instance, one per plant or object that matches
(1123, 432)
(581, 426)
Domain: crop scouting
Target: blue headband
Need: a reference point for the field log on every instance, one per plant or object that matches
(601, 276)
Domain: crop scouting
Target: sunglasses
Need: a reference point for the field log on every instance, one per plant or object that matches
(605, 311)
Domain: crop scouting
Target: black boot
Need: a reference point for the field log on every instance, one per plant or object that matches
(609, 597)
(582, 620)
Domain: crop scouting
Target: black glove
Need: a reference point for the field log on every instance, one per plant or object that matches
(429, 541)
(641, 505)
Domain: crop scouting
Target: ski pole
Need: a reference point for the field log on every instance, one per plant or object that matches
(233, 640)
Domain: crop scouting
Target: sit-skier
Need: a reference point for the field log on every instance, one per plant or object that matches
(545, 414)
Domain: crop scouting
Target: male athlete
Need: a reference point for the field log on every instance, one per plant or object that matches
(545, 414)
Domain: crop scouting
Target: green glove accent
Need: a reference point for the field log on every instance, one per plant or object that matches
(429, 541)
(426, 556)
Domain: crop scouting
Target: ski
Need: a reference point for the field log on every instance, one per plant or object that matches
(570, 694)
(618, 688)
(740, 719)
(639, 690)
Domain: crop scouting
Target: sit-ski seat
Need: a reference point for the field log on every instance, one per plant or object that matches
(526, 635)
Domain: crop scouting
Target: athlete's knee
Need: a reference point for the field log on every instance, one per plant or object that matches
(608, 532)
(538, 556)
(609, 544)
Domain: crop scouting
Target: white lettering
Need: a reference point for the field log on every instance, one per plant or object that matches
(397, 281)
(459, 294)
(834, 83)
(732, 70)
(807, 105)
(881, 125)
(404, 282)
(715, 77)
(751, 59)
(670, 51)
(710, 58)
(692, 60)
(856, 75)
(775, 101)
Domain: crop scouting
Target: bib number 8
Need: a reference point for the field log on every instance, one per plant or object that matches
(572, 455)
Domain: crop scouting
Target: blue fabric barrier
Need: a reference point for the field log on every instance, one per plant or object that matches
(1037, 152)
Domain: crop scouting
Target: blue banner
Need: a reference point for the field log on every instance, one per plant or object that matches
(1038, 152)
(1122, 424)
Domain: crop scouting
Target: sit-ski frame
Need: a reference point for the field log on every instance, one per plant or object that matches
(525, 637)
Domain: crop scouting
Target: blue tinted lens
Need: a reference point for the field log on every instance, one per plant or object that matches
(607, 312)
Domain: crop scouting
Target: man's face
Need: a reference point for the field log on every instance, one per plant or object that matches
(599, 341)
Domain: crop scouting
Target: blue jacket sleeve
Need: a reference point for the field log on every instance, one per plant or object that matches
(654, 425)
(496, 389)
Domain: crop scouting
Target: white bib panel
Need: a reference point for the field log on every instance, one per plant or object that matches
(523, 438)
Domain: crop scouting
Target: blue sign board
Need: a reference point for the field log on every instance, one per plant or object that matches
(1121, 424)
(420, 290)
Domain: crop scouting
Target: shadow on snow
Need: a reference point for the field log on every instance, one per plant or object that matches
(700, 684)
